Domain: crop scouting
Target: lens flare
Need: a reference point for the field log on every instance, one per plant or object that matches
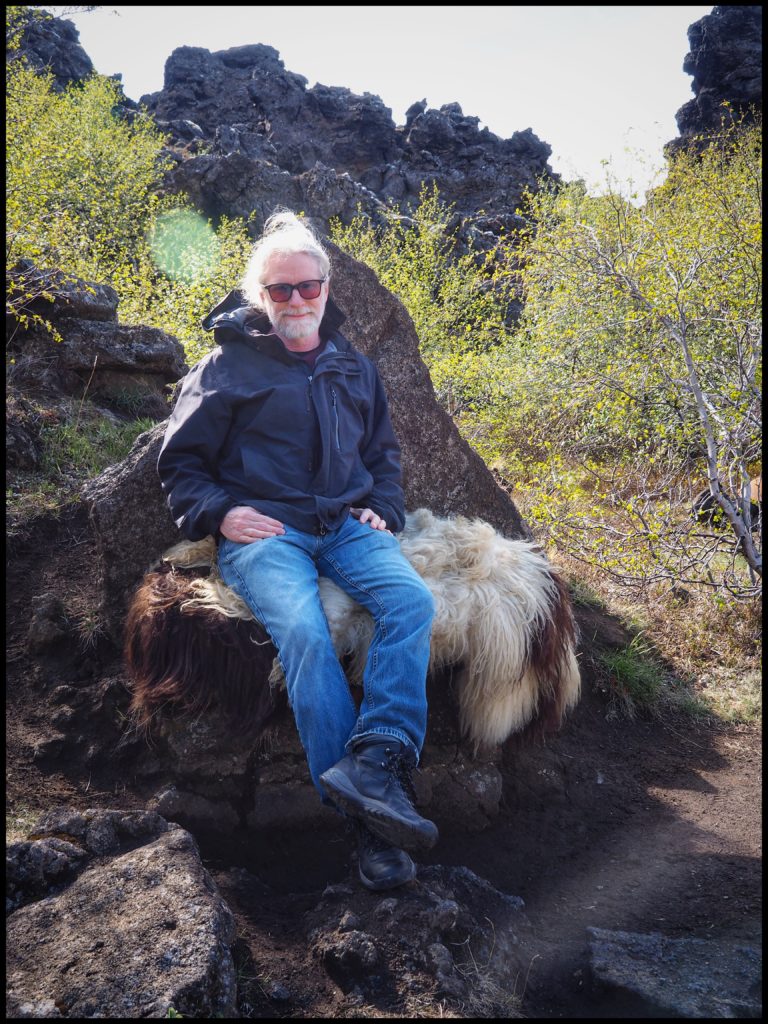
(184, 246)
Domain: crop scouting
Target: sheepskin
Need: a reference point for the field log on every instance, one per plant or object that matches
(192, 659)
(503, 621)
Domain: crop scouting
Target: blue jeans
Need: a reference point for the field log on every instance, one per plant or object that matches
(278, 579)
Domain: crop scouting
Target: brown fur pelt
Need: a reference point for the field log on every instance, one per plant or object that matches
(191, 659)
(502, 614)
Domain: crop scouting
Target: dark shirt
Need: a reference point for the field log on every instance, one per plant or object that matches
(310, 356)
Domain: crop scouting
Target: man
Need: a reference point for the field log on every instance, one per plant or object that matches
(281, 445)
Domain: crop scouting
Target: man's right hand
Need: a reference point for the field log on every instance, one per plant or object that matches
(244, 525)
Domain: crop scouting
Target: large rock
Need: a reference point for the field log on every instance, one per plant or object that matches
(246, 102)
(449, 939)
(249, 85)
(441, 472)
(52, 294)
(127, 367)
(214, 779)
(679, 977)
(726, 61)
(242, 183)
(140, 927)
(53, 44)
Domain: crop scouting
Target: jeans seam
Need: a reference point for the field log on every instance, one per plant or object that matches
(382, 624)
(259, 614)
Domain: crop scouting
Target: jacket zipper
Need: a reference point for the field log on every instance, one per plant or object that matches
(336, 417)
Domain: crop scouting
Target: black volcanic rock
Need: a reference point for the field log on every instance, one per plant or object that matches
(53, 44)
(247, 135)
(726, 61)
(246, 102)
(249, 87)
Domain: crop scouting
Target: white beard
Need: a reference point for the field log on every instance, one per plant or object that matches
(295, 329)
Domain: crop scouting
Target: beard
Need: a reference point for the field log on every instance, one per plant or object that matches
(295, 329)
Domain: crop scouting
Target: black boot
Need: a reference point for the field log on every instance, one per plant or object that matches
(380, 865)
(373, 784)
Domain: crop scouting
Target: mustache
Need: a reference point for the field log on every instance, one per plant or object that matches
(294, 311)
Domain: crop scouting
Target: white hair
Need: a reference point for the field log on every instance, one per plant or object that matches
(285, 234)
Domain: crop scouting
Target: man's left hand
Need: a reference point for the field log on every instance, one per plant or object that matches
(367, 515)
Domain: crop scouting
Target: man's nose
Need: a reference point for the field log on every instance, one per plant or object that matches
(296, 299)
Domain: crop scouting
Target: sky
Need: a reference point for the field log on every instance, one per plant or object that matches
(597, 83)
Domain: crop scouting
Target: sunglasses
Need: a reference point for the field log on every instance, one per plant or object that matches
(283, 292)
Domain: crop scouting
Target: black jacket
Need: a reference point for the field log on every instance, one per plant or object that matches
(252, 426)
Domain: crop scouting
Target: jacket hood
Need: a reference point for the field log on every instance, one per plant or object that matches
(234, 312)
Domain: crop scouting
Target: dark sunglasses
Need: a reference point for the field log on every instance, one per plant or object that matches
(283, 292)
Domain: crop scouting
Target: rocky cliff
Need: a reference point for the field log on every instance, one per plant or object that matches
(245, 101)
(54, 44)
(268, 138)
(726, 61)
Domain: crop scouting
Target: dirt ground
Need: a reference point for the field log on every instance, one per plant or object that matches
(644, 825)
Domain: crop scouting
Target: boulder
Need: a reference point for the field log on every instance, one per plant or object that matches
(119, 919)
(127, 368)
(53, 44)
(678, 977)
(203, 774)
(54, 295)
(447, 936)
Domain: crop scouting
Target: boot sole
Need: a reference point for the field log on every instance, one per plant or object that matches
(378, 817)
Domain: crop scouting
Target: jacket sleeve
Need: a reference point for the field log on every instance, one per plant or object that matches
(381, 457)
(187, 462)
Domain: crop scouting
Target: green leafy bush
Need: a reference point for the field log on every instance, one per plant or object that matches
(81, 181)
(633, 376)
(457, 302)
(84, 197)
(642, 370)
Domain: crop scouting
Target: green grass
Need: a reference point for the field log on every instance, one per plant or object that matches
(19, 822)
(635, 677)
(584, 595)
(86, 448)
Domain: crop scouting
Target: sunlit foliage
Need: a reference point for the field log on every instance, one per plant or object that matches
(632, 379)
(642, 370)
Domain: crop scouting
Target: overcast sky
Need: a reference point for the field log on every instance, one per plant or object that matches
(590, 81)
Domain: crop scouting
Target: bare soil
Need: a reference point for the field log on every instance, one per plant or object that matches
(644, 825)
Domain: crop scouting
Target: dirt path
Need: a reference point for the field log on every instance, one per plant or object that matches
(633, 826)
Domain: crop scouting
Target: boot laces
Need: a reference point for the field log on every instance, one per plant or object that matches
(400, 766)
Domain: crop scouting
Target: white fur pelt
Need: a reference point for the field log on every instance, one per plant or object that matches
(502, 613)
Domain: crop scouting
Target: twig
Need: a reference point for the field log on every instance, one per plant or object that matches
(85, 392)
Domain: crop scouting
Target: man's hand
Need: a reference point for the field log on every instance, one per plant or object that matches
(367, 515)
(244, 525)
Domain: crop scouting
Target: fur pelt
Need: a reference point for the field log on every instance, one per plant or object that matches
(503, 620)
(191, 661)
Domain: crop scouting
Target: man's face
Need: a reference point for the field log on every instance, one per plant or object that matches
(297, 319)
